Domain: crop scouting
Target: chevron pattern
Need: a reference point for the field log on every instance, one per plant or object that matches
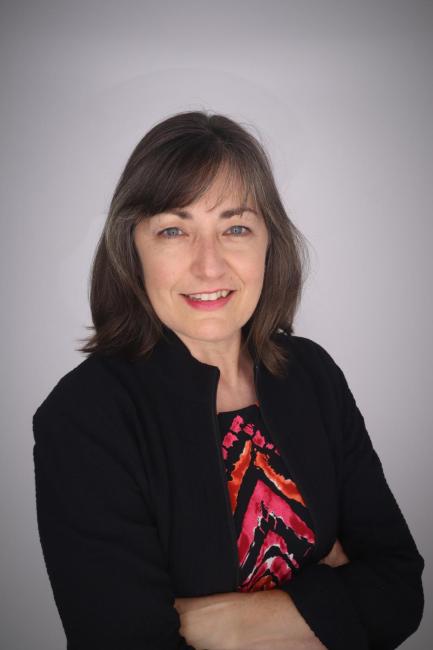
(273, 525)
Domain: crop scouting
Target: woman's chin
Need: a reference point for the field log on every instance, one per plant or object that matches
(209, 332)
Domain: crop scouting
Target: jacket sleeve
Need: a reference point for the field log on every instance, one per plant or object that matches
(99, 540)
(376, 600)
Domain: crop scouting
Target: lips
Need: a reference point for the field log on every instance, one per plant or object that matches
(205, 296)
(207, 304)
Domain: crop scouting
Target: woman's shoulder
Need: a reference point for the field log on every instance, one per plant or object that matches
(90, 413)
(90, 384)
(306, 350)
(317, 362)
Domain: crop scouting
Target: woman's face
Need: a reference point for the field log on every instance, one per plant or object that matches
(204, 249)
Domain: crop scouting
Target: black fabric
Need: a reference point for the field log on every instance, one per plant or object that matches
(133, 507)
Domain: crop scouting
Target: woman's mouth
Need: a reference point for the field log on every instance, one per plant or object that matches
(208, 301)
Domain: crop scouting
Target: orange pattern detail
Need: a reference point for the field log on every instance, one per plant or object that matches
(238, 473)
(285, 485)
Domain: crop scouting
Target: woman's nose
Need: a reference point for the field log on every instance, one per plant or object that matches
(208, 258)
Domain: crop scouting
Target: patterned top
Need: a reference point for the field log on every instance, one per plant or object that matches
(273, 526)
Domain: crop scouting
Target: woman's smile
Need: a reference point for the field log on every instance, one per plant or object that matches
(208, 301)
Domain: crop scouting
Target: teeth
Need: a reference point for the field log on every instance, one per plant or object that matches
(209, 296)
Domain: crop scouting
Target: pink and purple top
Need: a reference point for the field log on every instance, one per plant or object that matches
(273, 525)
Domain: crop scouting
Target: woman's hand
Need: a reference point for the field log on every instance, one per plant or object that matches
(336, 556)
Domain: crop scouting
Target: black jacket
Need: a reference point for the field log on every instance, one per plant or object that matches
(133, 505)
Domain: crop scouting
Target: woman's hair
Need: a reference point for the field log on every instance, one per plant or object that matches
(172, 166)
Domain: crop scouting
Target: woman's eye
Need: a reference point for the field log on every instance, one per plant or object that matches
(169, 233)
(239, 231)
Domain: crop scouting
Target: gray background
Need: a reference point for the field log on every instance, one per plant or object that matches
(339, 92)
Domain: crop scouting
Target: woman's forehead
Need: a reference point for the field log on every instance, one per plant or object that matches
(226, 188)
(212, 201)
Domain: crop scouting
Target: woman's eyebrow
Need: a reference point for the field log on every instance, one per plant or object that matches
(226, 214)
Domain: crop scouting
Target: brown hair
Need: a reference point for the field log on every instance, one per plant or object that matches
(172, 166)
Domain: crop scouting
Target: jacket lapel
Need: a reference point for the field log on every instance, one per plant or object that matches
(200, 531)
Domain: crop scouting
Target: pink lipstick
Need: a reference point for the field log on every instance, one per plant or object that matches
(208, 305)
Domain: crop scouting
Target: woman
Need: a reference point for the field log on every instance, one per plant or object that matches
(204, 478)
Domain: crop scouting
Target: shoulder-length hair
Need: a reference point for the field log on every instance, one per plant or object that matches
(171, 167)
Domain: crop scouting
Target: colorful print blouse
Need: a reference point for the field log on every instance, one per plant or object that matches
(273, 526)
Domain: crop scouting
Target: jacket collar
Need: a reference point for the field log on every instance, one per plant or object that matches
(183, 374)
(191, 378)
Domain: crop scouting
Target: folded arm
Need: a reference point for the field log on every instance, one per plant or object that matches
(374, 601)
(262, 620)
(100, 544)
